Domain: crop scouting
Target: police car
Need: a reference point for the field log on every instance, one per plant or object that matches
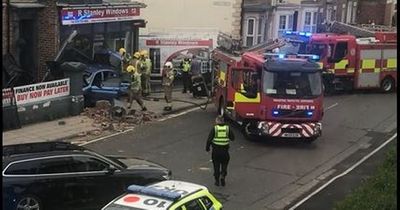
(166, 195)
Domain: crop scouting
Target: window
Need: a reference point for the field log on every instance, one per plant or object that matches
(193, 205)
(84, 164)
(119, 43)
(250, 32)
(207, 202)
(290, 22)
(340, 51)
(98, 79)
(307, 20)
(259, 30)
(282, 22)
(343, 13)
(55, 165)
(310, 21)
(23, 168)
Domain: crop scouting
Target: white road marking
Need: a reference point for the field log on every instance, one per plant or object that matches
(344, 173)
(179, 114)
(104, 137)
(331, 106)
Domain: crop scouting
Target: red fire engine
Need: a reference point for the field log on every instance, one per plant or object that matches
(354, 63)
(270, 95)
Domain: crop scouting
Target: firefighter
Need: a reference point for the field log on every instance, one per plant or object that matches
(186, 69)
(135, 88)
(167, 82)
(125, 62)
(146, 63)
(135, 59)
(219, 137)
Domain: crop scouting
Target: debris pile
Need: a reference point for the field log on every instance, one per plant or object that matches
(116, 118)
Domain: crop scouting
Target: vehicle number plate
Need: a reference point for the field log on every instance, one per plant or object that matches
(291, 135)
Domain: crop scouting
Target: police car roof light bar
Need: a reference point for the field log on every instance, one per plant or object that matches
(154, 192)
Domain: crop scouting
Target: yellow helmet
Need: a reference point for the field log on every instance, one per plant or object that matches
(122, 51)
(130, 69)
(144, 53)
(136, 55)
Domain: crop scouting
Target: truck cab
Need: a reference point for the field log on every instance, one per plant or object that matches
(273, 95)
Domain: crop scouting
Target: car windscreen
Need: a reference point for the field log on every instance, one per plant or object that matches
(86, 79)
(293, 47)
(292, 84)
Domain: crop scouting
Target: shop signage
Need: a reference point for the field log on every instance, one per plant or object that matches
(8, 97)
(98, 15)
(41, 91)
(165, 42)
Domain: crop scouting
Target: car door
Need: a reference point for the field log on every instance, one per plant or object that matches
(62, 189)
(98, 184)
(106, 85)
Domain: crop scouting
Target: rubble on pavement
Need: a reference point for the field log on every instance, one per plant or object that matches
(115, 118)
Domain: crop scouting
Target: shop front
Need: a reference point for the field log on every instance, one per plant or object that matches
(102, 27)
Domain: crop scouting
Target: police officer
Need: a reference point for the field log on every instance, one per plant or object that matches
(167, 82)
(186, 66)
(135, 92)
(219, 138)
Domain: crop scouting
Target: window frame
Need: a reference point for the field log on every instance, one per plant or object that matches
(54, 174)
(252, 35)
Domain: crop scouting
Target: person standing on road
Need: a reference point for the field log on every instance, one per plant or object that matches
(135, 91)
(219, 137)
(146, 73)
(167, 82)
(186, 64)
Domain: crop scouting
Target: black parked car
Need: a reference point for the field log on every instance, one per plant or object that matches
(58, 175)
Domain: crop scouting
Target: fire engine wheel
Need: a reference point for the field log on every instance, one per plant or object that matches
(387, 85)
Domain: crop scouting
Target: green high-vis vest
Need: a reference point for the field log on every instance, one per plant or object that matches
(221, 136)
(186, 66)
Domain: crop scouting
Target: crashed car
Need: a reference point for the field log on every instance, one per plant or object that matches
(103, 84)
(166, 195)
(60, 175)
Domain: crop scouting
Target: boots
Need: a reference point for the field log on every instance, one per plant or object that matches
(223, 181)
(216, 182)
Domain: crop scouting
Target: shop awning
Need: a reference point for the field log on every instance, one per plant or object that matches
(27, 5)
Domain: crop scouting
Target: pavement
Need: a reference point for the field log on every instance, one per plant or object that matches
(83, 126)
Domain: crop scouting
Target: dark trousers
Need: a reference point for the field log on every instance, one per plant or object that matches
(220, 162)
(186, 82)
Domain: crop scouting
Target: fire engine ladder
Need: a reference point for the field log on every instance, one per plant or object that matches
(363, 30)
(265, 46)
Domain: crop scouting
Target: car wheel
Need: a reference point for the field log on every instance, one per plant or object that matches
(29, 202)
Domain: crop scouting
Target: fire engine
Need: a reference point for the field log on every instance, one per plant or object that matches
(269, 95)
(350, 62)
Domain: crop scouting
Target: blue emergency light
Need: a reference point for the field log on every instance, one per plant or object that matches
(275, 112)
(154, 192)
(281, 56)
(301, 33)
(308, 34)
(309, 113)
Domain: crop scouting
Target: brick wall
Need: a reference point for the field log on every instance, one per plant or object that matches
(48, 35)
(372, 10)
(236, 22)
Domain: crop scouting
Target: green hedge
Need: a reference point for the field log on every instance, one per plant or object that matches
(378, 192)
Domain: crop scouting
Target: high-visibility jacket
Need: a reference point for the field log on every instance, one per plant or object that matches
(221, 136)
(186, 66)
(148, 66)
(136, 82)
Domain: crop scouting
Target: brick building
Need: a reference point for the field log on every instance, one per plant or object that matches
(34, 30)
